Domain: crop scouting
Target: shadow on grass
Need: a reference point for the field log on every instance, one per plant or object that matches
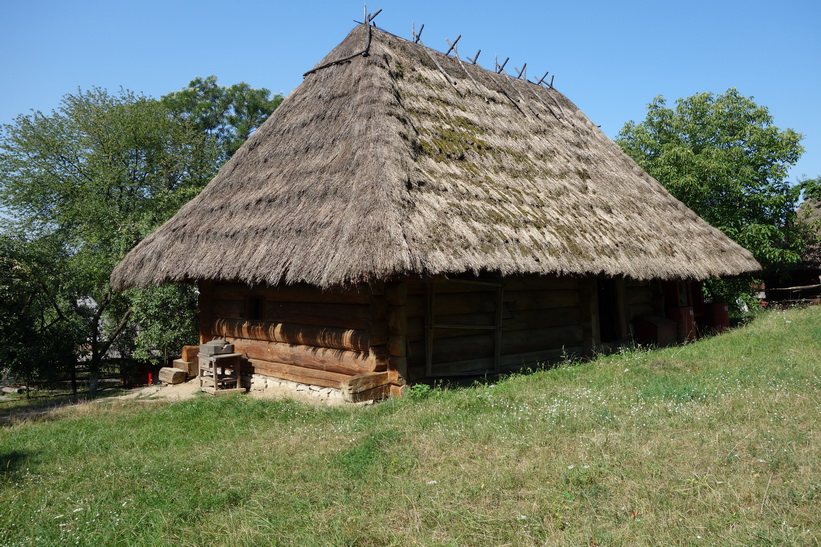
(10, 462)
(40, 408)
(425, 387)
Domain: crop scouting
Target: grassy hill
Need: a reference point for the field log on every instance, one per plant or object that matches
(716, 442)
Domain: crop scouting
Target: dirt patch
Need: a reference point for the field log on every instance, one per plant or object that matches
(185, 390)
(191, 388)
(45, 408)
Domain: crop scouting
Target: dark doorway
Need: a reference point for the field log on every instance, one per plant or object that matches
(255, 308)
(608, 311)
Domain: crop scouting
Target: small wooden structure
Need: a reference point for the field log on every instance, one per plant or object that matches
(406, 215)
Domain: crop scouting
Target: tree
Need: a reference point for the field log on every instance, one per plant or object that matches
(92, 179)
(37, 327)
(811, 188)
(230, 114)
(88, 182)
(164, 319)
(722, 156)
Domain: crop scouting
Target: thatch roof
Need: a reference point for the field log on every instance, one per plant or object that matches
(408, 162)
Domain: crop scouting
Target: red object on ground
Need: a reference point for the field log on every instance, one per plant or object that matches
(150, 379)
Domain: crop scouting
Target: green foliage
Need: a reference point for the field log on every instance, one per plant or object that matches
(38, 330)
(230, 114)
(89, 181)
(811, 188)
(164, 319)
(722, 156)
(418, 392)
(100, 173)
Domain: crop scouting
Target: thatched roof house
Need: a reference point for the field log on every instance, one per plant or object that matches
(403, 164)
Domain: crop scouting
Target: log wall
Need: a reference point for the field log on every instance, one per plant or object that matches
(300, 333)
(341, 338)
(541, 318)
(643, 298)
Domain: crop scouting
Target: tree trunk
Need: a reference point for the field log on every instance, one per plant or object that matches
(93, 376)
(93, 380)
(74, 379)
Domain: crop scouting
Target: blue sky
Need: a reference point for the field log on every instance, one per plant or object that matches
(610, 58)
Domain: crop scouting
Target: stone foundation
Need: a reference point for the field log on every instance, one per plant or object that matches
(262, 383)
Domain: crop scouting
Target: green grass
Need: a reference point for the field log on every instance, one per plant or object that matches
(716, 442)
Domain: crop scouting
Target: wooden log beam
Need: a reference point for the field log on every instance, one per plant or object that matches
(398, 371)
(589, 307)
(396, 293)
(171, 375)
(380, 357)
(536, 319)
(639, 295)
(331, 360)
(464, 303)
(191, 368)
(397, 320)
(293, 333)
(379, 308)
(541, 283)
(301, 293)
(621, 309)
(546, 338)
(478, 345)
(465, 367)
(519, 320)
(524, 283)
(374, 394)
(485, 302)
(415, 306)
(415, 285)
(298, 374)
(639, 310)
(454, 349)
(533, 300)
(231, 309)
(397, 345)
(378, 333)
(347, 316)
(364, 382)
(508, 363)
(350, 316)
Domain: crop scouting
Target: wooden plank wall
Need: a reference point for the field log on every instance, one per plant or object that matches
(643, 298)
(542, 318)
(305, 334)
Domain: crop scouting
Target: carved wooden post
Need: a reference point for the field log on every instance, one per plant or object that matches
(205, 304)
(396, 295)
